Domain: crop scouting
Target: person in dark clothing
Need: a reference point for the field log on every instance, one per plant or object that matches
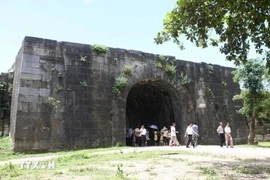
(220, 131)
(189, 133)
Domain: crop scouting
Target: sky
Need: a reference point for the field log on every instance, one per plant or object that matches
(114, 23)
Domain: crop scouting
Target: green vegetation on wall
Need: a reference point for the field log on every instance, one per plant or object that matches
(99, 49)
(209, 93)
(127, 70)
(210, 69)
(83, 83)
(167, 65)
(53, 103)
(83, 58)
(184, 78)
(119, 84)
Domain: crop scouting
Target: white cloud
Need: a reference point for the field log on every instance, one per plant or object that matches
(87, 1)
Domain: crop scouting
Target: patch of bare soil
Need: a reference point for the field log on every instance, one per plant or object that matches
(203, 162)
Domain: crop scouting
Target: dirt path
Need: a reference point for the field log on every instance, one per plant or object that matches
(203, 162)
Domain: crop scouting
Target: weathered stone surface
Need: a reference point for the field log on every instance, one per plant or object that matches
(84, 113)
(267, 137)
(259, 137)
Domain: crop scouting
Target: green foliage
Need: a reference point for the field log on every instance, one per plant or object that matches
(119, 84)
(167, 66)
(3, 86)
(231, 25)
(5, 146)
(84, 83)
(248, 170)
(54, 103)
(116, 61)
(127, 70)
(120, 172)
(184, 78)
(59, 89)
(66, 159)
(170, 70)
(224, 87)
(53, 69)
(83, 58)
(262, 107)
(210, 69)
(208, 171)
(252, 76)
(111, 112)
(119, 144)
(224, 84)
(99, 49)
(8, 171)
(209, 93)
(162, 62)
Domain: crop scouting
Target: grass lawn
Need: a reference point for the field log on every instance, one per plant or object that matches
(122, 163)
(7, 153)
(259, 145)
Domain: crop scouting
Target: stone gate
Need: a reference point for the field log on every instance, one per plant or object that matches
(62, 96)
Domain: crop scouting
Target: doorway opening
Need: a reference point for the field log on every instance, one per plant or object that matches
(149, 103)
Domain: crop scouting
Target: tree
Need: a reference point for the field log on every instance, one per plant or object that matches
(252, 75)
(264, 109)
(232, 25)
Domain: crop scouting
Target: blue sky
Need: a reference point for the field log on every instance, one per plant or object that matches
(114, 23)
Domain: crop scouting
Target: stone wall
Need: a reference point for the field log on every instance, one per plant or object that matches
(61, 101)
(262, 132)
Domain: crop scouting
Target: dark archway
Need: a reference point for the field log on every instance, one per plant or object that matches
(151, 98)
(148, 103)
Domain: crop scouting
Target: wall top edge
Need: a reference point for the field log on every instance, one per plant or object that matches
(31, 41)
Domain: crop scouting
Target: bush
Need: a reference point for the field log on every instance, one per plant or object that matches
(54, 103)
(184, 79)
(170, 70)
(166, 65)
(119, 84)
(99, 49)
(127, 70)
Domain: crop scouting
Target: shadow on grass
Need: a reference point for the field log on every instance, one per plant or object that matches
(259, 145)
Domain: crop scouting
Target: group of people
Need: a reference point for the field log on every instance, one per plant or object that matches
(137, 137)
(168, 137)
(225, 135)
(192, 133)
(165, 137)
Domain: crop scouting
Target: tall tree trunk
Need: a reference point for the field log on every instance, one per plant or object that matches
(252, 128)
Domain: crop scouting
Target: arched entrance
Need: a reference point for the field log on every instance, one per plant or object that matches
(149, 103)
(151, 98)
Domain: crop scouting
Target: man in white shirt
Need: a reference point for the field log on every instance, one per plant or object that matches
(220, 132)
(189, 133)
